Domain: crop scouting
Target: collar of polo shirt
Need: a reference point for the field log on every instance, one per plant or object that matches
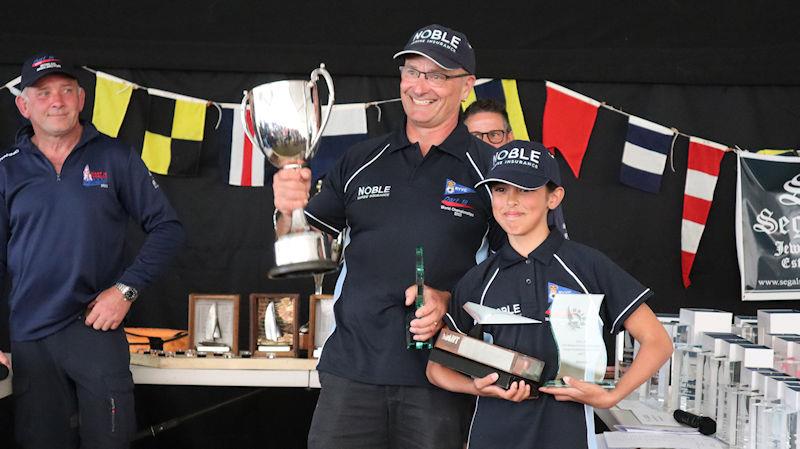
(543, 253)
(455, 143)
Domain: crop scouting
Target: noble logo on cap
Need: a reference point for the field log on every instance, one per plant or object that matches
(449, 49)
(42, 65)
(525, 165)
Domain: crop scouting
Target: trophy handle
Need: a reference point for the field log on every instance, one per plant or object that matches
(329, 81)
(245, 125)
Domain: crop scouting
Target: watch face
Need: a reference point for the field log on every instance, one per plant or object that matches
(128, 293)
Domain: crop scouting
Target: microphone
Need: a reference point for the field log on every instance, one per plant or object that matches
(704, 424)
(3, 372)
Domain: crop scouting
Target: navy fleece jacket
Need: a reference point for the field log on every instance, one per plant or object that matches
(62, 235)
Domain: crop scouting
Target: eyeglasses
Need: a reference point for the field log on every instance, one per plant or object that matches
(493, 136)
(434, 78)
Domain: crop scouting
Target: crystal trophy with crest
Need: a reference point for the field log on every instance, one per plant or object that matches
(578, 333)
(418, 302)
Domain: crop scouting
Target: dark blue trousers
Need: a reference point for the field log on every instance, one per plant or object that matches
(73, 389)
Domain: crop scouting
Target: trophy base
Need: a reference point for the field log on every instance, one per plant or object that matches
(303, 269)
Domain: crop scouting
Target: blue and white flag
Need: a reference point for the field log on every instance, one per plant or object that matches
(645, 154)
(347, 126)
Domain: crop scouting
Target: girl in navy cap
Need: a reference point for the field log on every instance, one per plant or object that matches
(521, 277)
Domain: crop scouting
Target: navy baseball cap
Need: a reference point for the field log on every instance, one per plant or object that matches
(41, 65)
(525, 165)
(449, 49)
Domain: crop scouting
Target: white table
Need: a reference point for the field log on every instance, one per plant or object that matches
(616, 415)
(215, 371)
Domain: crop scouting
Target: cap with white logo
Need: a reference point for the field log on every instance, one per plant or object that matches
(41, 65)
(449, 49)
(525, 165)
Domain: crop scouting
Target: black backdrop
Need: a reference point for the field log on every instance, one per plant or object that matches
(726, 71)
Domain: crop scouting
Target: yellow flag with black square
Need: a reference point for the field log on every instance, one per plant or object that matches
(174, 136)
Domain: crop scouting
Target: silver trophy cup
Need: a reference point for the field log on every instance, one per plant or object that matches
(287, 125)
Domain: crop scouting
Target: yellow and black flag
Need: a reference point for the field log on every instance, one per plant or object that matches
(119, 108)
(504, 91)
(174, 135)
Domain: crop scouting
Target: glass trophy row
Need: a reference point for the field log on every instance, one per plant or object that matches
(751, 390)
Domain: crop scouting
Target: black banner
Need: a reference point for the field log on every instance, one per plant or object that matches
(768, 226)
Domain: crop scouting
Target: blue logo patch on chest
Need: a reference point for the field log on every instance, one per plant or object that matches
(553, 289)
(94, 178)
(452, 200)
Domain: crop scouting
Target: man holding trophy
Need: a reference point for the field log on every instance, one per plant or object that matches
(386, 197)
(569, 293)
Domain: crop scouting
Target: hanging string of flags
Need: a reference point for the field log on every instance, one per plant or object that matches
(169, 129)
(569, 119)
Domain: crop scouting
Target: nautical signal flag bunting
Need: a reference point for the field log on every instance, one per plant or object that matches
(241, 164)
(645, 154)
(174, 135)
(111, 98)
(701, 179)
(568, 122)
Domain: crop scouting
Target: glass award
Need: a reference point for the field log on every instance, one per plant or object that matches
(686, 371)
(577, 330)
(744, 430)
(776, 426)
(726, 412)
(419, 302)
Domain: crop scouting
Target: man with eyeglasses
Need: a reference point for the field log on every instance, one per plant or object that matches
(487, 120)
(389, 195)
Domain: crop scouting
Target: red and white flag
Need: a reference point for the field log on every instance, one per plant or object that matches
(241, 163)
(701, 179)
(568, 122)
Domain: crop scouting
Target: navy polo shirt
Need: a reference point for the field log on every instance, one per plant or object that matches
(523, 285)
(388, 199)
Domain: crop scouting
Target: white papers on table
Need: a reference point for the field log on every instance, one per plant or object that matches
(649, 416)
(657, 429)
(489, 315)
(623, 440)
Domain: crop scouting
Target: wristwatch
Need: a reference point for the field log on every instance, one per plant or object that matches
(128, 293)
